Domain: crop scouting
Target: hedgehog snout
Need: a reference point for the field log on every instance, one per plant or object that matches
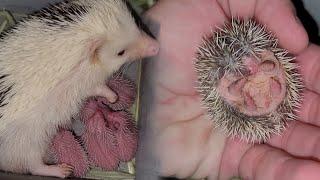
(148, 46)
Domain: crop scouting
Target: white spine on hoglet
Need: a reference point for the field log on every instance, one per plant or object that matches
(230, 64)
(49, 63)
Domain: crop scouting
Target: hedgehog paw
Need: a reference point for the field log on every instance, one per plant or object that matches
(65, 169)
(61, 171)
(106, 92)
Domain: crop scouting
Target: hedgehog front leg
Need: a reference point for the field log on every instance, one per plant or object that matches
(105, 91)
(60, 170)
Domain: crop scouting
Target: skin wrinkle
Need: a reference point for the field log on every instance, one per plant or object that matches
(220, 5)
(222, 157)
(314, 148)
(316, 69)
(174, 92)
(180, 122)
(168, 101)
(259, 161)
(195, 5)
(175, 99)
(241, 159)
(203, 157)
(193, 118)
(249, 14)
(198, 165)
(316, 109)
(277, 165)
(210, 166)
(197, 173)
(304, 111)
(227, 10)
(256, 159)
(258, 11)
(280, 168)
(285, 141)
(255, 7)
(313, 109)
(183, 172)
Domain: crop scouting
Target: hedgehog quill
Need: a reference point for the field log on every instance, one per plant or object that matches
(50, 62)
(249, 85)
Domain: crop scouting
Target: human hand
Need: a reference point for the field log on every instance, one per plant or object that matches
(185, 142)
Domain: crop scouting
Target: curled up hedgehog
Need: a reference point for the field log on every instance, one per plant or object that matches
(49, 63)
(249, 85)
(103, 134)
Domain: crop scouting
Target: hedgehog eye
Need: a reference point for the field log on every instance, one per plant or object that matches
(121, 53)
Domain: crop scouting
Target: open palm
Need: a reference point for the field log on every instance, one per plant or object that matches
(185, 142)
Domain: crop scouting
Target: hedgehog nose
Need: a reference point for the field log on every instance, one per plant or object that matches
(148, 46)
(152, 48)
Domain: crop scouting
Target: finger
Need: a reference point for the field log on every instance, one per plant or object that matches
(309, 60)
(278, 16)
(236, 8)
(233, 151)
(247, 9)
(310, 109)
(266, 163)
(300, 139)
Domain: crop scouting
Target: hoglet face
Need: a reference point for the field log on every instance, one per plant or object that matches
(249, 85)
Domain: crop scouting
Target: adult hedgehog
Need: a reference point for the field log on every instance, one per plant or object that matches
(49, 63)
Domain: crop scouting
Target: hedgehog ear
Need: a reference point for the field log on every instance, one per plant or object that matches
(94, 46)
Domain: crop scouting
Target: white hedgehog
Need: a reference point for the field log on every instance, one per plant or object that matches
(49, 63)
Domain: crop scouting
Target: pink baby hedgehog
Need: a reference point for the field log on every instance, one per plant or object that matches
(124, 88)
(109, 135)
(66, 149)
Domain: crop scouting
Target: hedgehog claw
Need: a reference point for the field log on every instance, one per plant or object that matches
(61, 171)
